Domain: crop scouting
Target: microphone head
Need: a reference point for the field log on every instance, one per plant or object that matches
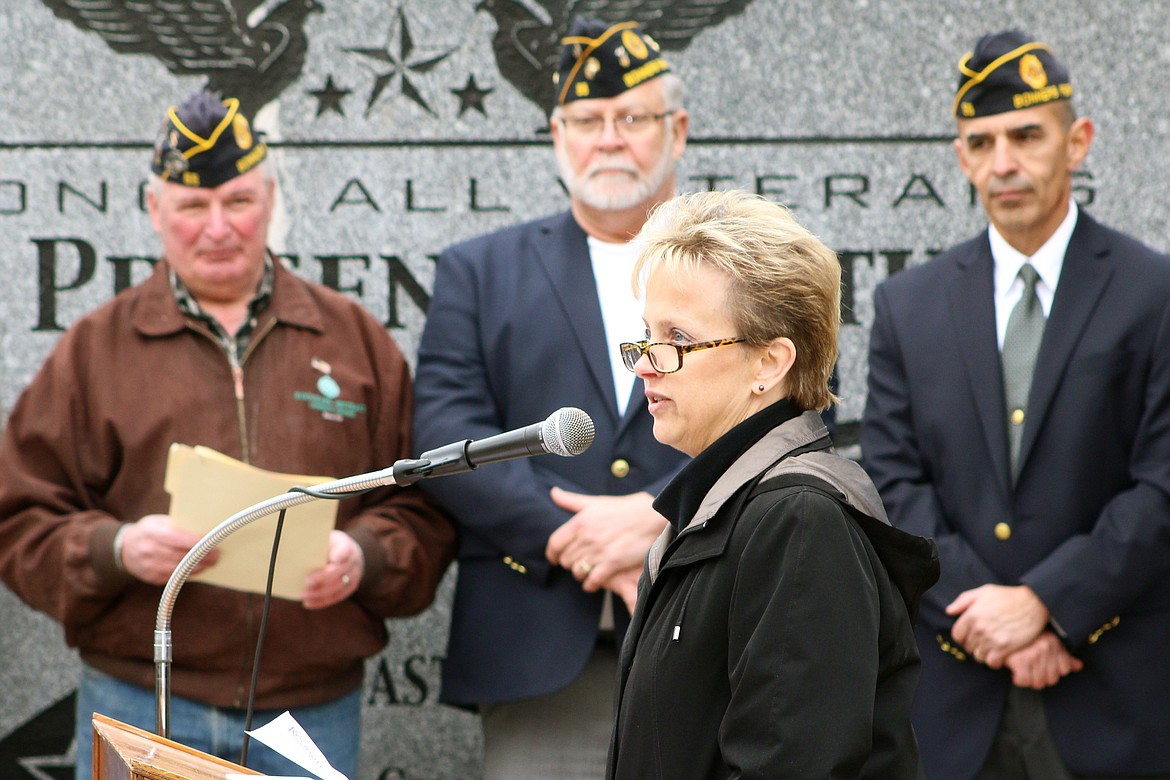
(567, 432)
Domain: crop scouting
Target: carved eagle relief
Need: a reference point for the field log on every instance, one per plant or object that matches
(528, 35)
(250, 49)
(254, 49)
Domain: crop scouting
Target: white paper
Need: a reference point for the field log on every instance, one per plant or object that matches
(285, 736)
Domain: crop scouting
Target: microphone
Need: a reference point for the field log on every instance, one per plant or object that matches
(567, 432)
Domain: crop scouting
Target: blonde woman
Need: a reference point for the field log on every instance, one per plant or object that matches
(772, 636)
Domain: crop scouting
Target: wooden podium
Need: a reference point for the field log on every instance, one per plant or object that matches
(123, 752)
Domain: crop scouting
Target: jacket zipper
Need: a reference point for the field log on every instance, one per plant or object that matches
(237, 368)
(692, 575)
(238, 384)
(252, 601)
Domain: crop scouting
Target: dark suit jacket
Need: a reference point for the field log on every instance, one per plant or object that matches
(513, 333)
(1089, 517)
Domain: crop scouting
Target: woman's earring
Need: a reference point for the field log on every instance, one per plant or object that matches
(761, 388)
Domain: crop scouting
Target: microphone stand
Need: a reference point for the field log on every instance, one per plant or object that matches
(455, 458)
(404, 472)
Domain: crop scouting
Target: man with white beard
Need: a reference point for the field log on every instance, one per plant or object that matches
(524, 321)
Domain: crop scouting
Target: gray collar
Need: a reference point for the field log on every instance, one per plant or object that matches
(825, 464)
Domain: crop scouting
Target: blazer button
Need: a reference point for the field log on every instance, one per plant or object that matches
(1003, 531)
(515, 565)
(620, 468)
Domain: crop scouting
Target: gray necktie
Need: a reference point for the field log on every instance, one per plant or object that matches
(1021, 342)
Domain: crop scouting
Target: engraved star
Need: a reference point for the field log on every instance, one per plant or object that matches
(399, 64)
(329, 97)
(471, 96)
(42, 748)
(49, 767)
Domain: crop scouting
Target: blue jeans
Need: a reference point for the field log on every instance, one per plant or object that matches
(334, 726)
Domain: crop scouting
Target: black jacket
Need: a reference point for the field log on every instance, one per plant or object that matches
(772, 637)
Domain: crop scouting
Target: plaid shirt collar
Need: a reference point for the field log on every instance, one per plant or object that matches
(231, 344)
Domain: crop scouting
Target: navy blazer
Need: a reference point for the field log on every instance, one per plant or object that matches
(1087, 524)
(513, 333)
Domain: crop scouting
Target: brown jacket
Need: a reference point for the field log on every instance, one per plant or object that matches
(85, 450)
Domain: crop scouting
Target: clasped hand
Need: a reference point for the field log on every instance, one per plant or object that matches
(604, 543)
(1006, 626)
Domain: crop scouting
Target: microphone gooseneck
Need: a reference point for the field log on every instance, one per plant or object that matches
(163, 640)
(567, 432)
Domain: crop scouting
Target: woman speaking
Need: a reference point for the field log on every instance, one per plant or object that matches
(772, 634)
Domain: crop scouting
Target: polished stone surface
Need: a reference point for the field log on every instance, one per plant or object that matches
(398, 128)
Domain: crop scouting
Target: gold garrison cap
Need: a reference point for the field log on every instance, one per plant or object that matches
(1008, 71)
(205, 142)
(600, 61)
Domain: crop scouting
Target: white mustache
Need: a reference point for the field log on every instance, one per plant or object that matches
(612, 166)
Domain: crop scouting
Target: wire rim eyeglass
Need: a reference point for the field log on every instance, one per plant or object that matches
(623, 125)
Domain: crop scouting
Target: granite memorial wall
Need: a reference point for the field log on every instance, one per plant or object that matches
(399, 126)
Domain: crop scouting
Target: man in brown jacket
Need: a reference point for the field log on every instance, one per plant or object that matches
(222, 347)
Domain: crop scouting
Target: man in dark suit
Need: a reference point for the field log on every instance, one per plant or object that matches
(1045, 480)
(524, 321)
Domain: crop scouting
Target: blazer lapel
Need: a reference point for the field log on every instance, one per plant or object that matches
(564, 254)
(971, 295)
(1083, 278)
(635, 406)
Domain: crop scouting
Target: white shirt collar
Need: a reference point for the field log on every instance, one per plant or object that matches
(621, 313)
(1048, 259)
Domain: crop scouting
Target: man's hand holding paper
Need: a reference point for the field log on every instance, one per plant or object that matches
(208, 487)
(340, 576)
(152, 547)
